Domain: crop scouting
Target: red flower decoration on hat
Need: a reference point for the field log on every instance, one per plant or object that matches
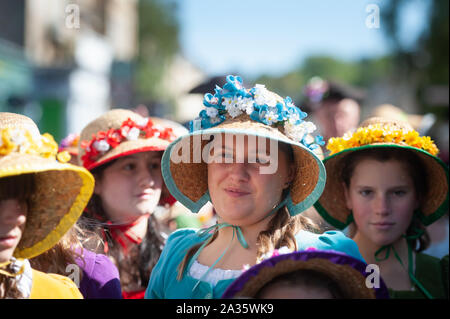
(102, 142)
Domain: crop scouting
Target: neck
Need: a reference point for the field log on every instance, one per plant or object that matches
(249, 232)
(368, 249)
(135, 228)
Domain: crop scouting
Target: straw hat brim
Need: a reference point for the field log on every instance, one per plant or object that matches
(129, 148)
(346, 271)
(62, 192)
(187, 180)
(332, 206)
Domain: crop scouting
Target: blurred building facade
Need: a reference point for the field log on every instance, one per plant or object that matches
(64, 62)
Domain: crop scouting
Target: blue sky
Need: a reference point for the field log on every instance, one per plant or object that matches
(268, 36)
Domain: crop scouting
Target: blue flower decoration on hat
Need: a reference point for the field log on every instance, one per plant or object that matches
(261, 105)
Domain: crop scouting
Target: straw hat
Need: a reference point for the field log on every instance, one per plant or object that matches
(121, 132)
(421, 123)
(256, 112)
(374, 133)
(347, 272)
(62, 190)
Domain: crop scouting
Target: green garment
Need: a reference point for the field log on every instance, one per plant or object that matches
(432, 273)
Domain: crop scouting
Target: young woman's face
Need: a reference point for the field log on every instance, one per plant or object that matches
(240, 193)
(12, 223)
(131, 186)
(383, 198)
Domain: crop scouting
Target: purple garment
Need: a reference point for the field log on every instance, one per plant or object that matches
(100, 277)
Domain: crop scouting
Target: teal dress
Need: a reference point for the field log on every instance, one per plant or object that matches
(163, 282)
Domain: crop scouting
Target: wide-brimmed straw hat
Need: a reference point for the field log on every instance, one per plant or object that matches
(122, 132)
(377, 133)
(62, 190)
(347, 272)
(258, 113)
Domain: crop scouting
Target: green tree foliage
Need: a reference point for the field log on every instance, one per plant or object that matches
(158, 42)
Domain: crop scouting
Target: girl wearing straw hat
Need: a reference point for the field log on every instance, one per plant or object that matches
(251, 154)
(40, 199)
(387, 183)
(123, 151)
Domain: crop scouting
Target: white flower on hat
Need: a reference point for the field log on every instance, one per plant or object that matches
(263, 96)
(212, 112)
(309, 126)
(244, 103)
(294, 132)
(133, 134)
(17, 137)
(142, 122)
(101, 146)
(271, 117)
(232, 106)
(234, 111)
(227, 102)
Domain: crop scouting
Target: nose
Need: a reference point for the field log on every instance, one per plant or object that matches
(145, 177)
(381, 205)
(12, 212)
(238, 172)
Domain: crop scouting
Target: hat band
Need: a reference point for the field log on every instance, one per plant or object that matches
(388, 248)
(103, 141)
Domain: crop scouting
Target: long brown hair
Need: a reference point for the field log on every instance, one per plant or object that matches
(19, 187)
(67, 250)
(416, 170)
(281, 229)
(136, 267)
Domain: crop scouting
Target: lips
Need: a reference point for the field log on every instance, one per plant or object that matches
(8, 241)
(236, 192)
(383, 225)
(145, 194)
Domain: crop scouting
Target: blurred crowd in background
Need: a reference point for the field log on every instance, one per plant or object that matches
(64, 63)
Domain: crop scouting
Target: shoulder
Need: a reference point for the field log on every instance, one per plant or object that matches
(101, 267)
(53, 286)
(329, 240)
(183, 238)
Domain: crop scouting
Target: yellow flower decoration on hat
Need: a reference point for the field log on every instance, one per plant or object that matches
(378, 133)
(21, 141)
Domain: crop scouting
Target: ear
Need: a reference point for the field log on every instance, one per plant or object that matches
(348, 201)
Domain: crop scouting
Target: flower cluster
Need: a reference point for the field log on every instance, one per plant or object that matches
(102, 142)
(22, 142)
(316, 89)
(70, 140)
(261, 105)
(381, 134)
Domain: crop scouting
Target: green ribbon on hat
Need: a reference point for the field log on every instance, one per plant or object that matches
(237, 231)
(387, 248)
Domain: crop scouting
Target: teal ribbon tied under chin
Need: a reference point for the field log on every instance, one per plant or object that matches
(237, 232)
(388, 248)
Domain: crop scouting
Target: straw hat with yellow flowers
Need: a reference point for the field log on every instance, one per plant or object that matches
(61, 190)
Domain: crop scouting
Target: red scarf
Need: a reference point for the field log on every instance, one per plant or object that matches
(117, 231)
